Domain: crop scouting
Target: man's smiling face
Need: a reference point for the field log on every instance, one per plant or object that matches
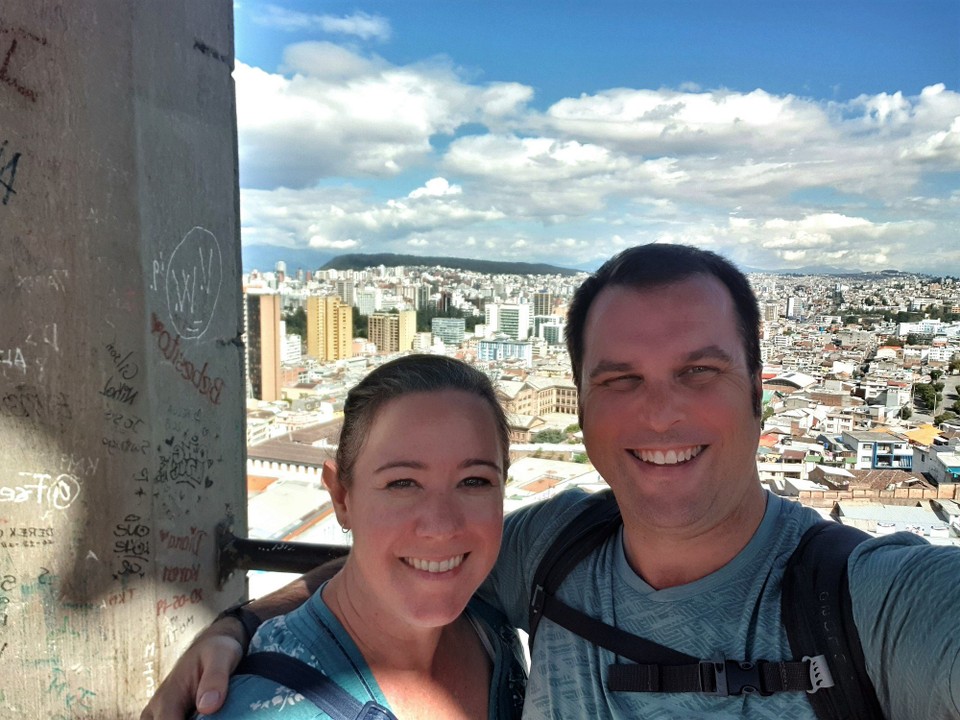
(667, 405)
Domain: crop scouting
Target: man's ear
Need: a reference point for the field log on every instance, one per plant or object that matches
(338, 492)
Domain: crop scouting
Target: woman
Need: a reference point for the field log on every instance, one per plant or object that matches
(418, 479)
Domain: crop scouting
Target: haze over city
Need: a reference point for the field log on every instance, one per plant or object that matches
(784, 135)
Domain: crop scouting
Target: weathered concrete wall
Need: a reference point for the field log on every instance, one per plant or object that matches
(121, 411)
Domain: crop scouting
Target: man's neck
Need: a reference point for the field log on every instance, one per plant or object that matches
(669, 558)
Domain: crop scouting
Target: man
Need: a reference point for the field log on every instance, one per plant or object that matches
(665, 351)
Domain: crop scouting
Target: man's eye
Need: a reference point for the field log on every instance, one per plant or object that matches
(622, 382)
(700, 372)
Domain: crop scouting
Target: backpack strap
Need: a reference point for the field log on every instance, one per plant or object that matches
(579, 538)
(313, 685)
(657, 668)
(818, 614)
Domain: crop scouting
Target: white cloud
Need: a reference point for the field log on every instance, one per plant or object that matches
(360, 24)
(767, 177)
(340, 114)
(436, 187)
(318, 241)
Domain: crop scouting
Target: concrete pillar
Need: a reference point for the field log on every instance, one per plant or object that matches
(121, 408)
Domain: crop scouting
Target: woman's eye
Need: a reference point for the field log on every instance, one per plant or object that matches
(401, 484)
(476, 482)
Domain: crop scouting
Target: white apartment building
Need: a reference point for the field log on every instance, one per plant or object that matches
(511, 319)
(505, 349)
(369, 300)
(879, 450)
(943, 466)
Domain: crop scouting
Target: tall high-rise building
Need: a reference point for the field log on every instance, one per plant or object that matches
(542, 303)
(795, 307)
(512, 319)
(261, 317)
(771, 312)
(392, 332)
(345, 291)
(424, 292)
(369, 300)
(449, 330)
(329, 328)
(553, 333)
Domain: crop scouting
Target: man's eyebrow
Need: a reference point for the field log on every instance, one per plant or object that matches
(710, 352)
(417, 465)
(605, 366)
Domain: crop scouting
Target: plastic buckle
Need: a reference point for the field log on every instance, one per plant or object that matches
(536, 601)
(372, 710)
(730, 678)
(820, 676)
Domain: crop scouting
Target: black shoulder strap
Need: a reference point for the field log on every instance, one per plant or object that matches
(578, 539)
(662, 669)
(658, 668)
(313, 685)
(818, 615)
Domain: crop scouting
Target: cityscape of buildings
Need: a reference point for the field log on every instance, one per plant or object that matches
(858, 371)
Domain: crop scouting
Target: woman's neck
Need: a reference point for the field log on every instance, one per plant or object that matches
(424, 672)
(383, 640)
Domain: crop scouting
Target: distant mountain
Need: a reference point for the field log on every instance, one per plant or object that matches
(359, 261)
(265, 257)
(809, 270)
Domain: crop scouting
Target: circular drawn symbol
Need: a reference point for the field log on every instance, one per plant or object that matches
(194, 274)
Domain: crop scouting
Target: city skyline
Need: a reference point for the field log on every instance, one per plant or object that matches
(782, 135)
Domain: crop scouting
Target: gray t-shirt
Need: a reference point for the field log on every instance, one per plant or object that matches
(906, 601)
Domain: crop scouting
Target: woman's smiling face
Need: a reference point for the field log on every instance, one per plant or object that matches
(425, 505)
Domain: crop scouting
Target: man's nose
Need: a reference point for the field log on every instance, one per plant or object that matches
(659, 406)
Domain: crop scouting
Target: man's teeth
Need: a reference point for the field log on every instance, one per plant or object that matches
(435, 566)
(668, 457)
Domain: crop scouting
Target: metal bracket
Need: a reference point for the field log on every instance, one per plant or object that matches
(235, 553)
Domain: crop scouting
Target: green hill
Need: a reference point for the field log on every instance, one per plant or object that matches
(360, 261)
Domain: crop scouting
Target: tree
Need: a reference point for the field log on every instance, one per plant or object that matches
(767, 413)
(550, 436)
(944, 417)
(570, 429)
(296, 322)
(925, 394)
(361, 325)
(905, 413)
(936, 375)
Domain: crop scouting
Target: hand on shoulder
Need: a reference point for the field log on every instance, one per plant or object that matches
(200, 677)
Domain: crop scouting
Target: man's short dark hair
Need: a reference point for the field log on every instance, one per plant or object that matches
(645, 266)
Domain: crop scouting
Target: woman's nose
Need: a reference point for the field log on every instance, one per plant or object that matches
(440, 516)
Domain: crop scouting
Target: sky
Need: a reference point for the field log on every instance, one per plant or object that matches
(783, 134)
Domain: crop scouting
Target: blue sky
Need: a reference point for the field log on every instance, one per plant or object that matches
(781, 134)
